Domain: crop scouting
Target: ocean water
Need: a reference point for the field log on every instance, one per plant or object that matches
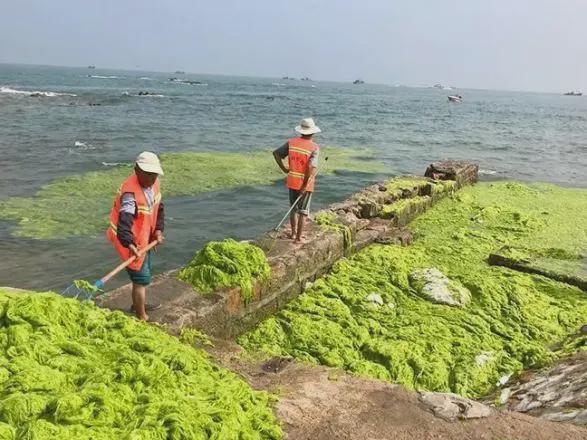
(79, 120)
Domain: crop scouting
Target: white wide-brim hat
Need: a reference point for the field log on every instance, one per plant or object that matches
(149, 163)
(307, 126)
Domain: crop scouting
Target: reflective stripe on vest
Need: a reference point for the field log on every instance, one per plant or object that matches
(299, 152)
(145, 219)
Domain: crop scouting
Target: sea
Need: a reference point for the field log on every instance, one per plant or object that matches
(59, 121)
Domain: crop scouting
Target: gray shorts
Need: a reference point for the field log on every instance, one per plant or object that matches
(303, 205)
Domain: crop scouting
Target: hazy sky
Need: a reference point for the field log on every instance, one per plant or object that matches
(501, 44)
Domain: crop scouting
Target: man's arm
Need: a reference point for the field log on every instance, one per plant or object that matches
(279, 154)
(311, 169)
(160, 223)
(126, 218)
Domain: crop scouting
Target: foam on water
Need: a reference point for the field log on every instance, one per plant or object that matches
(103, 76)
(11, 91)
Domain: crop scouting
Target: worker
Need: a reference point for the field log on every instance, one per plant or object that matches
(302, 157)
(137, 219)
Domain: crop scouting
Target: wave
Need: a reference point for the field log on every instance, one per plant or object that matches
(34, 93)
(278, 84)
(83, 146)
(145, 78)
(113, 164)
(487, 172)
(103, 76)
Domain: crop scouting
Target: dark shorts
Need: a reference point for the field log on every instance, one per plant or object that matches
(303, 205)
(142, 276)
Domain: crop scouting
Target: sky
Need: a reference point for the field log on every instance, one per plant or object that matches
(537, 45)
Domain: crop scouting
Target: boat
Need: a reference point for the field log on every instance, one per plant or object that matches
(305, 78)
(91, 67)
(455, 98)
(179, 72)
(358, 81)
(438, 86)
(574, 94)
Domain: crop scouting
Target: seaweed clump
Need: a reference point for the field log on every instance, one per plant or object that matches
(329, 220)
(227, 263)
(511, 322)
(71, 370)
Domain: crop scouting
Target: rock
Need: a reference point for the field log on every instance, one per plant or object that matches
(375, 298)
(504, 396)
(483, 358)
(451, 407)
(583, 329)
(433, 285)
(503, 379)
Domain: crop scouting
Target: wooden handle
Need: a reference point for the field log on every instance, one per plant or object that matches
(124, 264)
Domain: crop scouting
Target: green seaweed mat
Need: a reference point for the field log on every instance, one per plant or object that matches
(510, 324)
(79, 204)
(70, 370)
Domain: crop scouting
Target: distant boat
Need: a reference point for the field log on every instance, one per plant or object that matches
(91, 67)
(358, 81)
(438, 86)
(455, 98)
(573, 94)
(305, 78)
(179, 72)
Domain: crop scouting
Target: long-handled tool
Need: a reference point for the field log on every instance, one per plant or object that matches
(83, 290)
(270, 237)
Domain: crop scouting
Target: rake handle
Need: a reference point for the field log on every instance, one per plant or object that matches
(124, 264)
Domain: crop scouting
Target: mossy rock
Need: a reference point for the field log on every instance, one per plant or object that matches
(432, 285)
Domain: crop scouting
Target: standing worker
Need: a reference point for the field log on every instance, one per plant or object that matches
(137, 219)
(302, 156)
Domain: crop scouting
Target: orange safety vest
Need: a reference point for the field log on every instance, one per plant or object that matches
(145, 219)
(300, 150)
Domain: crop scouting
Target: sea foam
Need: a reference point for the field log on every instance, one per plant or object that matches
(11, 91)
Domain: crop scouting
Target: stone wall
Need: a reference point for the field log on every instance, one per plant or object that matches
(376, 214)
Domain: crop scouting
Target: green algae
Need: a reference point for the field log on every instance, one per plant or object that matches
(329, 220)
(86, 286)
(510, 324)
(79, 204)
(402, 208)
(408, 186)
(70, 370)
(227, 263)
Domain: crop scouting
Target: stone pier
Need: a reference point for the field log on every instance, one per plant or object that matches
(377, 214)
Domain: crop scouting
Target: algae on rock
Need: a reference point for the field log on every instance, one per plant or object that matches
(514, 316)
(330, 221)
(433, 285)
(73, 371)
(227, 263)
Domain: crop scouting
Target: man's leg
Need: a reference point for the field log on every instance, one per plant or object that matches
(140, 280)
(303, 213)
(300, 231)
(292, 223)
(139, 294)
(293, 196)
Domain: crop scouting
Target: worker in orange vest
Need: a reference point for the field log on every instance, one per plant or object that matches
(302, 156)
(136, 219)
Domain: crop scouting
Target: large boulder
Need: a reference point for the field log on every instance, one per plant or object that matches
(433, 285)
(451, 407)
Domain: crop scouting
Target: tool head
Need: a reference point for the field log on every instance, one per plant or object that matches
(83, 290)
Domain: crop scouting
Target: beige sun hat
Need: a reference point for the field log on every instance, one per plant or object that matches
(149, 162)
(308, 126)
